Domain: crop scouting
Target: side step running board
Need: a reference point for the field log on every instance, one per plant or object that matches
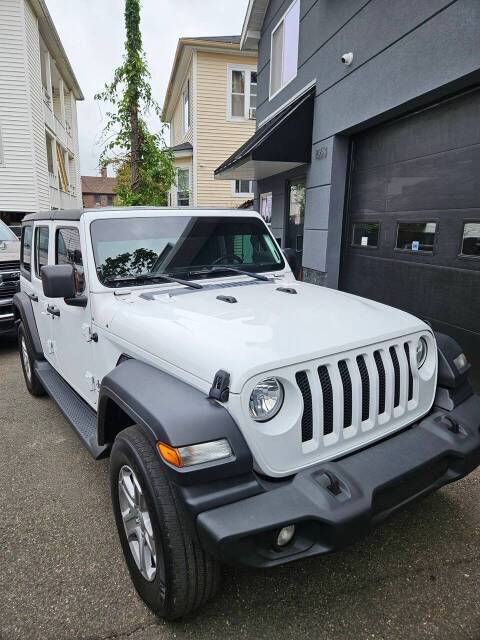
(82, 417)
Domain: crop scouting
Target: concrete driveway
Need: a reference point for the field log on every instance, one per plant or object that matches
(62, 574)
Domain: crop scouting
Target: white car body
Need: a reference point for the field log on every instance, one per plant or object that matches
(191, 335)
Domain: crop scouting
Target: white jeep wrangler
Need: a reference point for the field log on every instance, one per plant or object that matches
(249, 418)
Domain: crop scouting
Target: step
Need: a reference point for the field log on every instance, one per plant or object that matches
(80, 415)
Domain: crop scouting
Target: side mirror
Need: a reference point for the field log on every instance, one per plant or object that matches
(58, 281)
(291, 258)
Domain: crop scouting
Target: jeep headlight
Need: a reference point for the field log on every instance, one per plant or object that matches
(422, 350)
(266, 400)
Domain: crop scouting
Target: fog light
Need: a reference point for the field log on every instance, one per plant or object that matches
(285, 535)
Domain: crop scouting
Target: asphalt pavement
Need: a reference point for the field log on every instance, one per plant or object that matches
(62, 574)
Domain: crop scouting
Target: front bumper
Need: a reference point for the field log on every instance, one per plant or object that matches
(7, 318)
(373, 483)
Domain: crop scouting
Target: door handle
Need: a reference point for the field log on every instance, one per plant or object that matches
(33, 297)
(54, 311)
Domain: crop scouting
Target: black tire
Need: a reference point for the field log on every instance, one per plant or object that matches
(31, 380)
(186, 577)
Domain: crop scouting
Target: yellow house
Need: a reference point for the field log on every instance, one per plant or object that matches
(211, 107)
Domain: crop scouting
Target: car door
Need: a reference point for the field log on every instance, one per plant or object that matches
(41, 254)
(71, 324)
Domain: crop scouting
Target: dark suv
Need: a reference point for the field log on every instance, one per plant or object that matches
(9, 276)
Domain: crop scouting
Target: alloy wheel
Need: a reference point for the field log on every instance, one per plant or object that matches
(26, 360)
(137, 523)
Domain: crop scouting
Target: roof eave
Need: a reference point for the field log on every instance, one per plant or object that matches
(252, 25)
(51, 37)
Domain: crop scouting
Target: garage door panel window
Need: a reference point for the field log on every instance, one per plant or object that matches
(416, 236)
(471, 239)
(365, 234)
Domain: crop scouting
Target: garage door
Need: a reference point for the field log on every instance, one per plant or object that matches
(412, 224)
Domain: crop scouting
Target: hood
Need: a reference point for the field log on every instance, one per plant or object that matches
(263, 330)
(9, 250)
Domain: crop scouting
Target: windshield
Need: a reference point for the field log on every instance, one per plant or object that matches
(6, 235)
(181, 246)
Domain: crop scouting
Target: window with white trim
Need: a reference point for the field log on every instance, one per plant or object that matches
(284, 49)
(186, 108)
(183, 187)
(242, 93)
(242, 188)
(266, 200)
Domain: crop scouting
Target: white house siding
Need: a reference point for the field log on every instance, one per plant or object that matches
(25, 184)
(18, 190)
(34, 84)
(76, 149)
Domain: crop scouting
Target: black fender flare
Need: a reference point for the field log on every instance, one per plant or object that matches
(172, 412)
(23, 310)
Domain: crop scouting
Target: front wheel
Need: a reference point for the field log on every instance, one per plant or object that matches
(33, 383)
(168, 567)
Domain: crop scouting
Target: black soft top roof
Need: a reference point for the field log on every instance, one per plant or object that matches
(76, 214)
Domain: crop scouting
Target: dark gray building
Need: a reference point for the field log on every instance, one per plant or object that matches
(367, 150)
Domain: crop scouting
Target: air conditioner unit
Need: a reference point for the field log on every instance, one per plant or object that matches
(252, 113)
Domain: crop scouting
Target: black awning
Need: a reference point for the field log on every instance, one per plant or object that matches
(281, 144)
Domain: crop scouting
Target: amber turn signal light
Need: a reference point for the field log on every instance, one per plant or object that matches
(170, 454)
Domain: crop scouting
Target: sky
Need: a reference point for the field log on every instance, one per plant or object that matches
(92, 34)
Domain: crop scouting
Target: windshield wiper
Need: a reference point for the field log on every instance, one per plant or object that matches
(241, 272)
(141, 277)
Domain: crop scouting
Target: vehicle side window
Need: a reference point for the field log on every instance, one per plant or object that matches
(68, 251)
(26, 251)
(41, 248)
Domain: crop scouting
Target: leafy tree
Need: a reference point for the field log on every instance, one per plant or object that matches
(144, 164)
(127, 264)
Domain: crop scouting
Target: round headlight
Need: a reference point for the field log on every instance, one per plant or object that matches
(266, 400)
(422, 350)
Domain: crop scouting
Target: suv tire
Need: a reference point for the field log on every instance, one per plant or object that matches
(179, 576)
(33, 383)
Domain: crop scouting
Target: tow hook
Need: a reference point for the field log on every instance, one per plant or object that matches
(334, 486)
(453, 425)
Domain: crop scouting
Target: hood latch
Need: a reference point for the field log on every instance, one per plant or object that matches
(220, 390)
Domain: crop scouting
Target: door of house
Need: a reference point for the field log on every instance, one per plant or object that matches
(297, 190)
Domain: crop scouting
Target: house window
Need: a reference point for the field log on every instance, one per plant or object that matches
(48, 142)
(266, 207)
(61, 169)
(242, 187)
(242, 93)
(97, 199)
(183, 187)
(110, 201)
(416, 236)
(365, 234)
(471, 239)
(69, 251)
(284, 49)
(186, 108)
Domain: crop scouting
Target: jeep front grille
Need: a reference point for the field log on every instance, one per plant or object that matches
(359, 393)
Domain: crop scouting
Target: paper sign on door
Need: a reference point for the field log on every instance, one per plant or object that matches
(364, 241)
(415, 245)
